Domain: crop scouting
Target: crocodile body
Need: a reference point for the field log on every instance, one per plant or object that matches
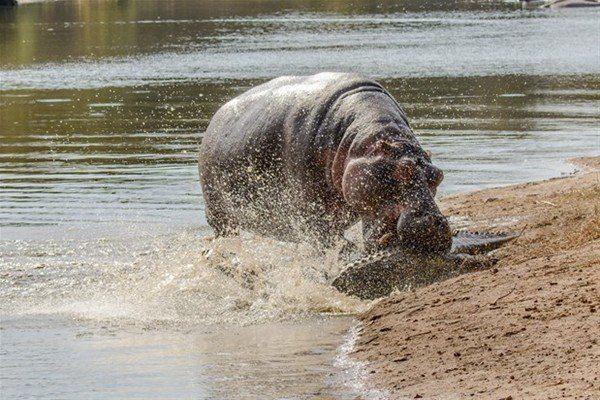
(378, 274)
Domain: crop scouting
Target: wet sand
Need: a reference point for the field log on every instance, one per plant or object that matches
(528, 328)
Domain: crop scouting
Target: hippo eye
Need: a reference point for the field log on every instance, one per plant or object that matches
(410, 150)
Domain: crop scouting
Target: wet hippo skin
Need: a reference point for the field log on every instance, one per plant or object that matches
(302, 158)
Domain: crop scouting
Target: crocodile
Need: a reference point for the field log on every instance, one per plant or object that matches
(379, 273)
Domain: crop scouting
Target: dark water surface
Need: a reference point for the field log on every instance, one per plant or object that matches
(102, 109)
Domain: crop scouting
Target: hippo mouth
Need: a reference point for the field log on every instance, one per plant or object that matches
(418, 232)
(427, 232)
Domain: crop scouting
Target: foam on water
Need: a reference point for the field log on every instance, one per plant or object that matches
(354, 372)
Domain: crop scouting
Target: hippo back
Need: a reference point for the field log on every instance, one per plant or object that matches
(278, 117)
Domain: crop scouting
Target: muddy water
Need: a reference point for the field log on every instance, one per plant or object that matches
(107, 288)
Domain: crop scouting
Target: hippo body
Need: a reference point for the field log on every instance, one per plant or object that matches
(302, 158)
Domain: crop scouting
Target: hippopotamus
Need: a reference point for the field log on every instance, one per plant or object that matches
(302, 158)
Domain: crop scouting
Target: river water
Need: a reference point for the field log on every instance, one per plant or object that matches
(108, 288)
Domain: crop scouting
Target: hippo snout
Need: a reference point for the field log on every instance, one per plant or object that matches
(424, 231)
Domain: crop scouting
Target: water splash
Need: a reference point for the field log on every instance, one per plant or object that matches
(178, 277)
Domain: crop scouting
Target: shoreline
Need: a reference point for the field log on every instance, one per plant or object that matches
(524, 328)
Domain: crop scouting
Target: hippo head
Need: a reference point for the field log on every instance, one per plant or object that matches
(392, 188)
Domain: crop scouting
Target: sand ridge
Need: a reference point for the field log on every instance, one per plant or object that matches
(527, 329)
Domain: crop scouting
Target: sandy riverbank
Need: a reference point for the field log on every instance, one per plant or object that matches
(527, 329)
